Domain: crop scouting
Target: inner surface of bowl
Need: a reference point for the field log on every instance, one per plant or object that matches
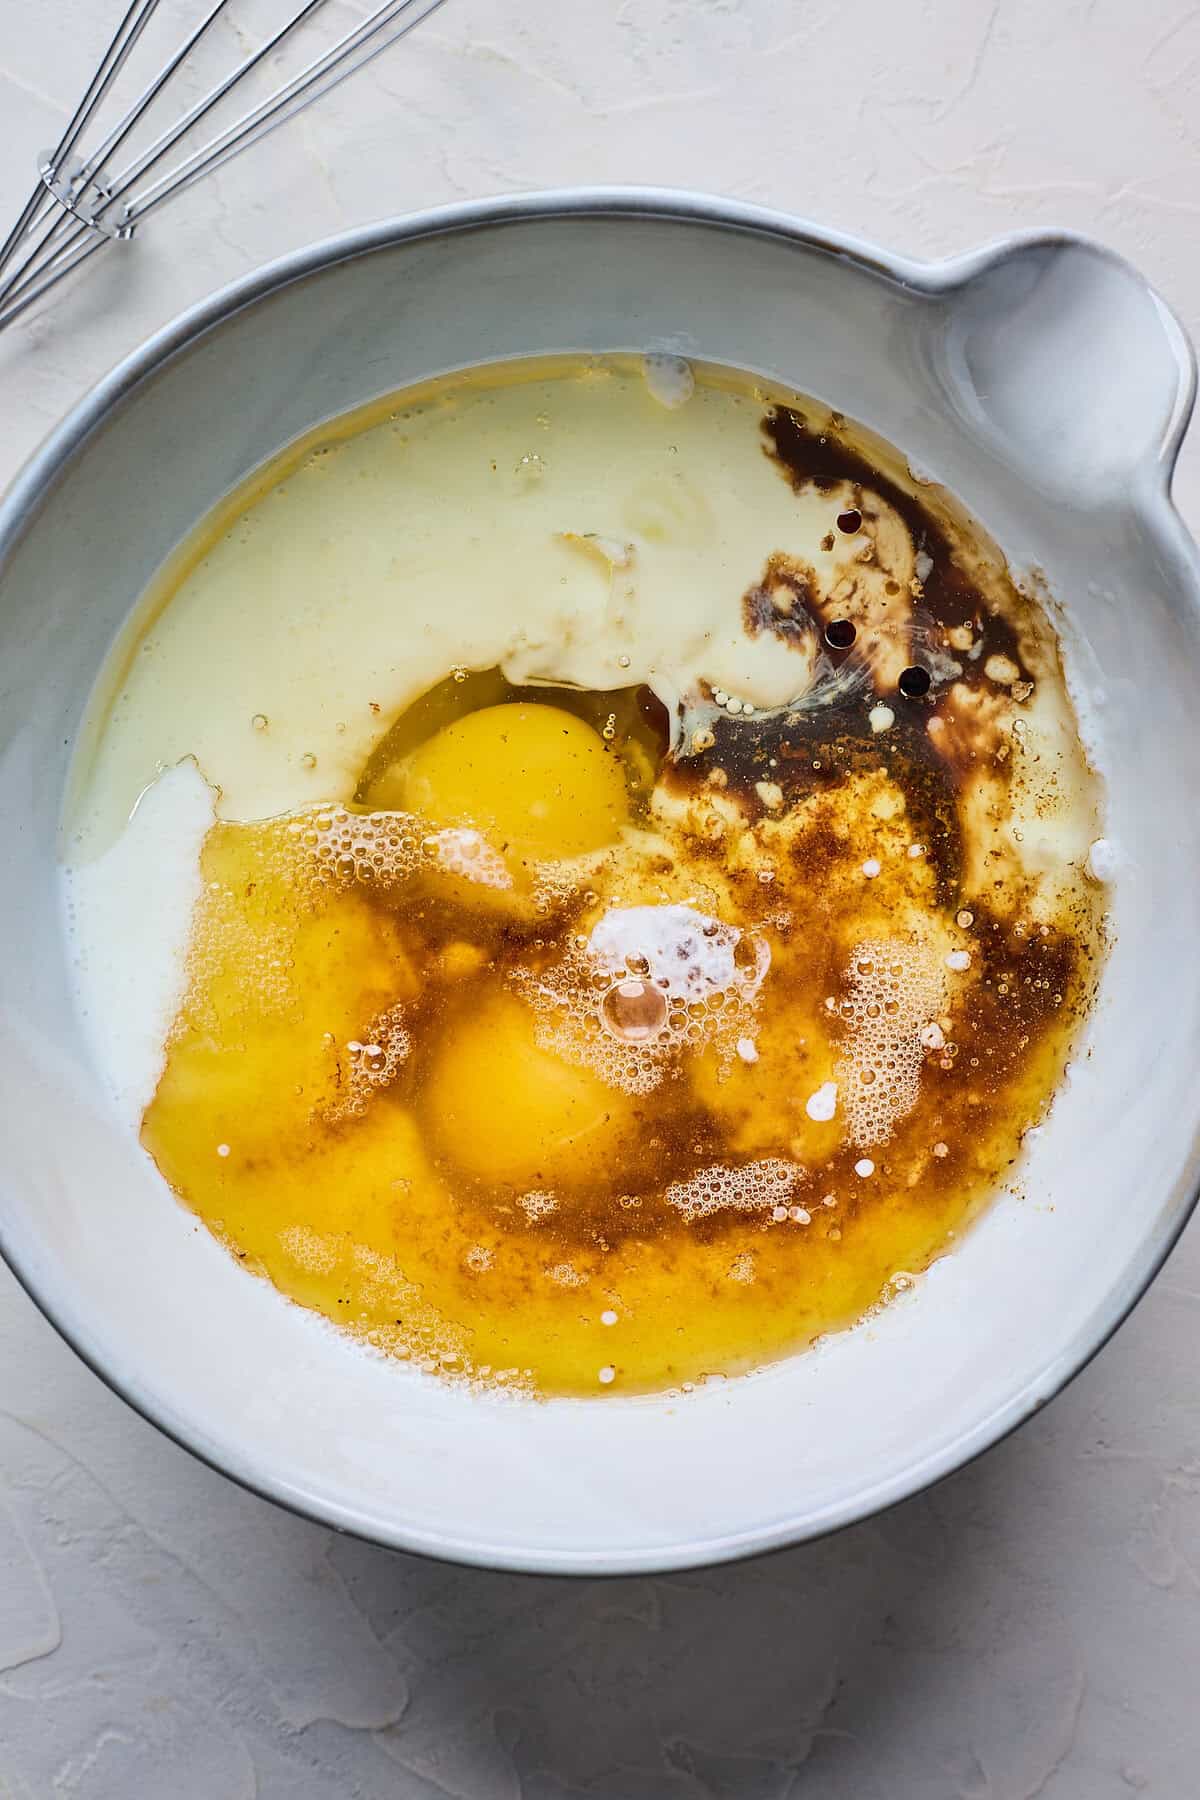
(1043, 385)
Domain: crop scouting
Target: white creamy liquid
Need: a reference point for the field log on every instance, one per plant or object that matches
(571, 530)
(130, 913)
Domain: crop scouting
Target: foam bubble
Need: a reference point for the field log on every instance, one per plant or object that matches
(893, 989)
(822, 1105)
(634, 1010)
(669, 378)
(1102, 860)
(745, 1187)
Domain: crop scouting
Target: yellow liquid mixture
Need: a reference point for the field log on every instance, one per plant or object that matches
(594, 1037)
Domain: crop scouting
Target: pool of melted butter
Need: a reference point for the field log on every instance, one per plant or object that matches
(592, 1040)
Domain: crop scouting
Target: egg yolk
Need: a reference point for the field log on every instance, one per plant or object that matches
(503, 1110)
(538, 782)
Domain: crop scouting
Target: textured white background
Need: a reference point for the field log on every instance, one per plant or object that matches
(1030, 1628)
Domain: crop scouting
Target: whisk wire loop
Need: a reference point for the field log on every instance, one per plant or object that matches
(80, 204)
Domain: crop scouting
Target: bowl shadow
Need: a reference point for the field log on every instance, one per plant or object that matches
(902, 1655)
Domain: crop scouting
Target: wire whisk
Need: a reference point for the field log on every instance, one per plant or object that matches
(87, 198)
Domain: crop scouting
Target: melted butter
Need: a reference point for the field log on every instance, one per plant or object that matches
(484, 1201)
(407, 1080)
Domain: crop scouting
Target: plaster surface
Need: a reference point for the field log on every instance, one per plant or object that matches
(1030, 1628)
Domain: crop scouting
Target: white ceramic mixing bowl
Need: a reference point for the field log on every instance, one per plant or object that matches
(1047, 386)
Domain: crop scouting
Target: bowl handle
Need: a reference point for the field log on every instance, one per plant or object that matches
(1068, 363)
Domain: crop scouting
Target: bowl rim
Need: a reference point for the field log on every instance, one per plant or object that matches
(34, 483)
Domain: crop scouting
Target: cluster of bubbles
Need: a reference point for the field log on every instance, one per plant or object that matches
(371, 1063)
(389, 847)
(350, 846)
(745, 1187)
(894, 989)
(419, 1334)
(537, 1204)
(461, 850)
(565, 1274)
(223, 937)
(648, 982)
(310, 1249)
